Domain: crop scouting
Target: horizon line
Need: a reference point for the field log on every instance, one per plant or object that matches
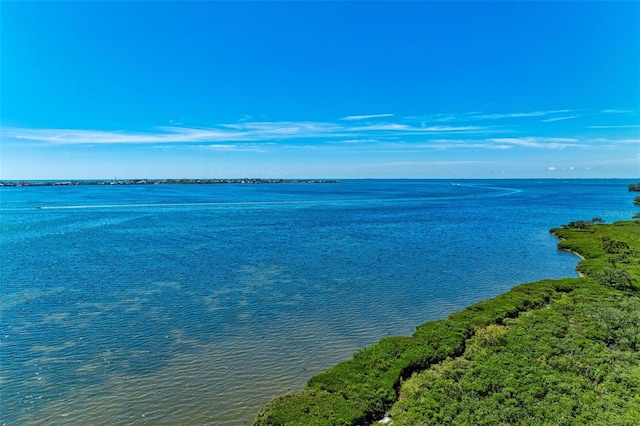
(302, 179)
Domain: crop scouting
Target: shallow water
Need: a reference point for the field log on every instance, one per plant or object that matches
(181, 304)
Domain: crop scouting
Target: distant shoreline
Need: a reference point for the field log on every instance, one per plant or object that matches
(250, 181)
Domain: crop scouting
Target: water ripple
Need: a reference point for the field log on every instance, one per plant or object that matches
(198, 305)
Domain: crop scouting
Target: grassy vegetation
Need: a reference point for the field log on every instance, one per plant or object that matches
(556, 351)
(573, 362)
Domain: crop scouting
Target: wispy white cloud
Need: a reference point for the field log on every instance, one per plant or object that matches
(444, 118)
(232, 147)
(285, 127)
(445, 144)
(616, 111)
(519, 114)
(79, 136)
(464, 130)
(365, 117)
(444, 163)
(406, 128)
(622, 126)
(225, 133)
(506, 143)
(550, 120)
(385, 127)
(358, 141)
(268, 136)
(477, 116)
(270, 130)
(170, 135)
(538, 142)
(492, 143)
(220, 147)
(548, 115)
(532, 142)
(446, 129)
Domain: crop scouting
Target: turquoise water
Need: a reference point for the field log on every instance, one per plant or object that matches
(196, 304)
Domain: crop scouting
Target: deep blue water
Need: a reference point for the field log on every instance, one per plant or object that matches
(196, 304)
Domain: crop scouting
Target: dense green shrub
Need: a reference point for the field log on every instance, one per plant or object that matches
(616, 278)
(578, 224)
(614, 246)
(564, 364)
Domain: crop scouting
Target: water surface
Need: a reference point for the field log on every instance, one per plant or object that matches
(196, 304)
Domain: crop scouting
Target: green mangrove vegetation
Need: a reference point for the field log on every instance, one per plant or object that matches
(561, 351)
(634, 187)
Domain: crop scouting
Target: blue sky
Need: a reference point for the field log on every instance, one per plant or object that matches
(319, 89)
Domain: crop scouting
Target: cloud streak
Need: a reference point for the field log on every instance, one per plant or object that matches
(537, 142)
(519, 114)
(622, 126)
(551, 120)
(438, 131)
(240, 132)
(79, 136)
(365, 117)
(616, 111)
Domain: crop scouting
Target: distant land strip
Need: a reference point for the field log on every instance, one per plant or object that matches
(253, 181)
